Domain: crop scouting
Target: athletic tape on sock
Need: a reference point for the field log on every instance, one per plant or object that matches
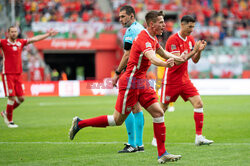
(158, 120)
(10, 102)
(18, 101)
(111, 120)
(199, 110)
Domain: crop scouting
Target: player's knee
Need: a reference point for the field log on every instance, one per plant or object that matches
(20, 99)
(161, 113)
(198, 104)
(119, 122)
(158, 113)
(164, 107)
(115, 120)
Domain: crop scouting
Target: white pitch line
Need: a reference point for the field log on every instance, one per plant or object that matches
(72, 103)
(72, 143)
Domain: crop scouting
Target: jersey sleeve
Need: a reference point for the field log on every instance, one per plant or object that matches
(128, 37)
(24, 42)
(172, 46)
(0, 43)
(146, 46)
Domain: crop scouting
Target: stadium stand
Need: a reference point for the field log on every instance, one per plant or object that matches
(223, 24)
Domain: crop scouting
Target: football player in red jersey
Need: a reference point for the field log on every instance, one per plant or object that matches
(133, 85)
(176, 81)
(12, 69)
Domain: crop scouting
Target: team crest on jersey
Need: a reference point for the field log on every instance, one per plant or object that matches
(190, 45)
(173, 47)
(18, 44)
(148, 45)
(14, 48)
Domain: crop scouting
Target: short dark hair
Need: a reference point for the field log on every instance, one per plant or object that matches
(188, 18)
(152, 16)
(12, 26)
(129, 9)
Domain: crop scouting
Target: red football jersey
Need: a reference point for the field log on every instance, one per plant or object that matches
(178, 74)
(12, 55)
(138, 63)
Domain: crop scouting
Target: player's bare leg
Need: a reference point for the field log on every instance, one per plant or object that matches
(19, 100)
(160, 133)
(164, 106)
(198, 118)
(8, 114)
(116, 119)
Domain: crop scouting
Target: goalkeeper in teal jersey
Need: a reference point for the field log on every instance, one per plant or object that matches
(135, 120)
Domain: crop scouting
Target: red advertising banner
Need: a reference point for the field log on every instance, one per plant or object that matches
(67, 88)
(41, 88)
(72, 44)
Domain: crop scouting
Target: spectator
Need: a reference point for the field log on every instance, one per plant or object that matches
(64, 76)
(54, 75)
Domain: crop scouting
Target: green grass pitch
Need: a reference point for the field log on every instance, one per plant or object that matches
(44, 122)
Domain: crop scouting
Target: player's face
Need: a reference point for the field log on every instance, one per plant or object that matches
(13, 33)
(125, 19)
(159, 25)
(188, 28)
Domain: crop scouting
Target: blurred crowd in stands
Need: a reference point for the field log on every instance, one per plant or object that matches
(63, 10)
(216, 20)
(227, 17)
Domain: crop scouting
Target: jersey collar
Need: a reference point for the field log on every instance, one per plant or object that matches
(11, 42)
(149, 34)
(133, 23)
(182, 37)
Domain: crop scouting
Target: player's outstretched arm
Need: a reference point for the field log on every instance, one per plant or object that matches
(166, 55)
(51, 32)
(158, 62)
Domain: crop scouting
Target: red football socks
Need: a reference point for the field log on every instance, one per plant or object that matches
(198, 118)
(16, 104)
(9, 112)
(100, 121)
(160, 135)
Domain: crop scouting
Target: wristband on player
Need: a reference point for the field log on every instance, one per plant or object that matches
(117, 72)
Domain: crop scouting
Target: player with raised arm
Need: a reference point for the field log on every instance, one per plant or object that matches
(176, 81)
(135, 120)
(12, 69)
(134, 87)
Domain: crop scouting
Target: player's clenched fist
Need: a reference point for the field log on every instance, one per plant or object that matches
(203, 45)
(170, 62)
(197, 46)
